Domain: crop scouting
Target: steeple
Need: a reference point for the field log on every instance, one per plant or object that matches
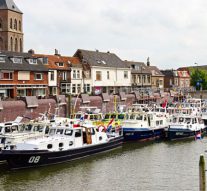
(9, 5)
(11, 30)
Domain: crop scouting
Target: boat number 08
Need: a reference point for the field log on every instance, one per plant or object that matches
(34, 159)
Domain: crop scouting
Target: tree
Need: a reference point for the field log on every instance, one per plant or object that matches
(199, 78)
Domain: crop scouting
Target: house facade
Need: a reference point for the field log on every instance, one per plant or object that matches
(141, 76)
(22, 74)
(183, 78)
(104, 72)
(157, 77)
(59, 73)
(171, 79)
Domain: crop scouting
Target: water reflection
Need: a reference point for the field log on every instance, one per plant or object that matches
(135, 166)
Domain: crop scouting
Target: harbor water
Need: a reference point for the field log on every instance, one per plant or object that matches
(161, 166)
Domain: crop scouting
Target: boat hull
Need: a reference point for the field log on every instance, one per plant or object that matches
(143, 134)
(35, 158)
(178, 134)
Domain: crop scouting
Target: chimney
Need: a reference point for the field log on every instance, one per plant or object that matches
(56, 52)
(148, 61)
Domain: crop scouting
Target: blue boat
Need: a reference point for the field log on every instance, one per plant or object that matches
(142, 126)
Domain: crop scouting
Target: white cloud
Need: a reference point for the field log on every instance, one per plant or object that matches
(171, 33)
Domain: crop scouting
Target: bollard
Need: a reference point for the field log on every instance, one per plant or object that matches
(202, 174)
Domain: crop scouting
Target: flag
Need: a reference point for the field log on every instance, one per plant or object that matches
(109, 126)
(164, 104)
(198, 136)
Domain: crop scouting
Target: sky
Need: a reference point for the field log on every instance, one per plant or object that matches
(172, 33)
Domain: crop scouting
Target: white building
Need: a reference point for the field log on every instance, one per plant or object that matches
(103, 72)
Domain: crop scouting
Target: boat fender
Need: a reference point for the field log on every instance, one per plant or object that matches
(101, 128)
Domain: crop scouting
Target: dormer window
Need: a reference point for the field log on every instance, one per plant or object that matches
(45, 60)
(17, 60)
(60, 64)
(2, 58)
(33, 60)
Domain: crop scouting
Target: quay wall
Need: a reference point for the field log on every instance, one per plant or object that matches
(12, 109)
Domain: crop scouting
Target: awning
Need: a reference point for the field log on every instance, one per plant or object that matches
(85, 98)
(122, 96)
(61, 99)
(31, 101)
(105, 97)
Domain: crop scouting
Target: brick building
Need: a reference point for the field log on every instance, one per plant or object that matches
(21, 75)
(11, 30)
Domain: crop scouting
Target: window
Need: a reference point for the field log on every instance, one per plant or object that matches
(38, 76)
(33, 60)
(1, 44)
(45, 60)
(108, 75)
(98, 75)
(16, 45)
(78, 74)
(74, 74)
(65, 88)
(11, 44)
(11, 23)
(125, 74)
(64, 76)
(78, 88)
(87, 88)
(17, 60)
(2, 58)
(6, 75)
(52, 76)
(74, 88)
(136, 67)
(15, 24)
(20, 26)
(20, 45)
(60, 64)
(148, 79)
(1, 25)
(22, 75)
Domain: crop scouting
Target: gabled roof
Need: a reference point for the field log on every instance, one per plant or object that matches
(101, 59)
(54, 60)
(9, 5)
(170, 73)
(155, 71)
(139, 67)
(24, 66)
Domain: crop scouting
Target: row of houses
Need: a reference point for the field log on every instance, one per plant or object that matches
(91, 72)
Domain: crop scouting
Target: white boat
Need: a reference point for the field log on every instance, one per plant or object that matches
(61, 145)
(185, 126)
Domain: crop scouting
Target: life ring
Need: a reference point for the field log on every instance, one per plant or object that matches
(101, 128)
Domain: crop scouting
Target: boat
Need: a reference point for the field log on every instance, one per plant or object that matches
(142, 126)
(185, 126)
(62, 144)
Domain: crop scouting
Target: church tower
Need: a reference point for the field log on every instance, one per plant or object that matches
(11, 30)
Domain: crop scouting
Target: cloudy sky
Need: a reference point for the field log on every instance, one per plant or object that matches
(173, 33)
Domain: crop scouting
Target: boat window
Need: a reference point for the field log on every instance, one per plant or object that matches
(78, 133)
(78, 116)
(36, 128)
(145, 118)
(59, 131)
(47, 129)
(107, 116)
(139, 117)
(49, 146)
(127, 116)
(174, 120)
(121, 116)
(52, 131)
(85, 116)
(14, 128)
(188, 120)
(91, 117)
(7, 129)
(28, 127)
(113, 116)
(157, 123)
(200, 121)
(68, 132)
(193, 121)
(61, 144)
(181, 119)
(96, 117)
(132, 116)
(92, 131)
(161, 122)
(162, 110)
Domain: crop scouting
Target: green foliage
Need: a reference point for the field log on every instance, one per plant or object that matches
(199, 75)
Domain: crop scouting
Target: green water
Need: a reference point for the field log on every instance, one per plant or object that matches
(154, 166)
